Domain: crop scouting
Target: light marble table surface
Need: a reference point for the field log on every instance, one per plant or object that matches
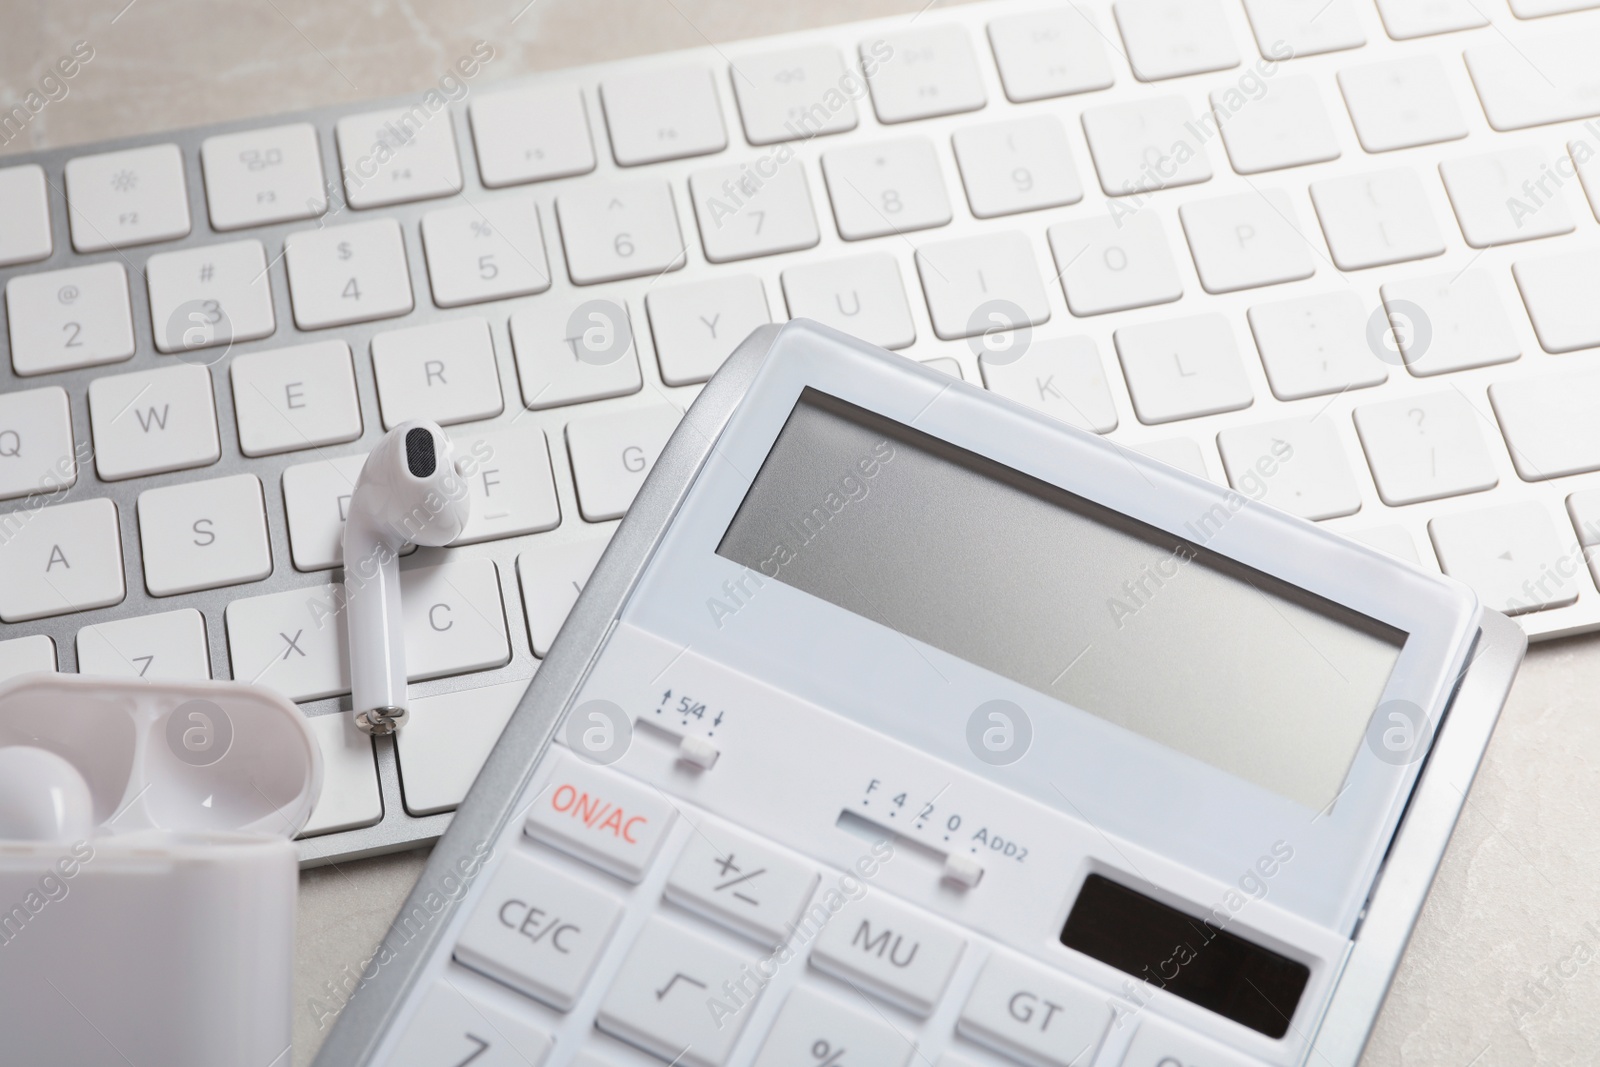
(1493, 976)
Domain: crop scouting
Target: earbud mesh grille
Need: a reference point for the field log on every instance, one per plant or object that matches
(420, 457)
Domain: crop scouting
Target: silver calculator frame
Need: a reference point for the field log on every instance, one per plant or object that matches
(1378, 942)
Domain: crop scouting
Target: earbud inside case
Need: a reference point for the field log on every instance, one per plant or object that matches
(167, 934)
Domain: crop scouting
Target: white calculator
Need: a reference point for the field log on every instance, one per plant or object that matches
(902, 725)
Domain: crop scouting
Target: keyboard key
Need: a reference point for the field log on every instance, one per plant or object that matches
(131, 197)
(508, 474)
(1511, 554)
(60, 559)
(444, 371)
(1316, 345)
(1394, 540)
(885, 187)
(37, 453)
(1537, 80)
(170, 646)
(1049, 53)
(153, 421)
(1549, 422)
(539, 931)
(208, 296)
(737, 881)
(1582, 507)
(350, 798)
(455, 622)
(1136, 145)
(612, 453)
(258, 177)
(203, 535)
(316, 498)
(923, 72)
(1060, 376)
(1580, 153)
(861, 295)
(531, 134)
(1246, 240)
(347, 274)
(890, 951)
(1490, 194)
(660, 998)
(1425, 447)
(485, 252)
(71, 318)
(1160, 1044)
(977, 284)
(1018, 165)
(552, 576)
(1168, 39)
(295, 641)
(698, 325)
(1182, 368)
(601, 817)
(1404, 19)
(1375, 219)
(25, 225)
(1285, 28)
(791, 94)
(25, 655)
(1295, 465)
(453, 1028)
(291, 398)
(1559, 293)
(1034, 1013)
(811, 1022)
(397, 155)
(743, 213)
(1533, 9)
(447, 738)
(946, 365)
(1105, 266)
(662, 114)
(1462, 322)
(1402, 103)
(1286, 126)
(577, 350)
(620, 230)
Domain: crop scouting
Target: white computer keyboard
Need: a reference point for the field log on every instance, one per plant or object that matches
(207, 329)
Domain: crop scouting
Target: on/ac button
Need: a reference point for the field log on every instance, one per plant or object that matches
(602, 818)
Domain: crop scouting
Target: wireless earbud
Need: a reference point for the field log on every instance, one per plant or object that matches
(409, 492)
(42, 797)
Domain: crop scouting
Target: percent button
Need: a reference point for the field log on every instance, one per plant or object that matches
(814, 1030)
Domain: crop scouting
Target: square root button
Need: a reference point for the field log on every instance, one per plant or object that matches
(601, 817)
(682, 996)
(885, 947)
(1034, 1014)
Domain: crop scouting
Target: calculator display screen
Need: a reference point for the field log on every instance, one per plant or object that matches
(1151, 631)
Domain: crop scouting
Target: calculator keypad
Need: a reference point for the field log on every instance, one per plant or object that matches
(651, 931)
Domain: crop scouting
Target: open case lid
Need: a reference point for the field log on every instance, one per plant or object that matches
(189, 757)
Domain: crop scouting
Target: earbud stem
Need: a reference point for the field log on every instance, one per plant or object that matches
(372, 600)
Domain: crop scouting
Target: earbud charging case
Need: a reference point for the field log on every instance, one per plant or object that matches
(167, 936)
